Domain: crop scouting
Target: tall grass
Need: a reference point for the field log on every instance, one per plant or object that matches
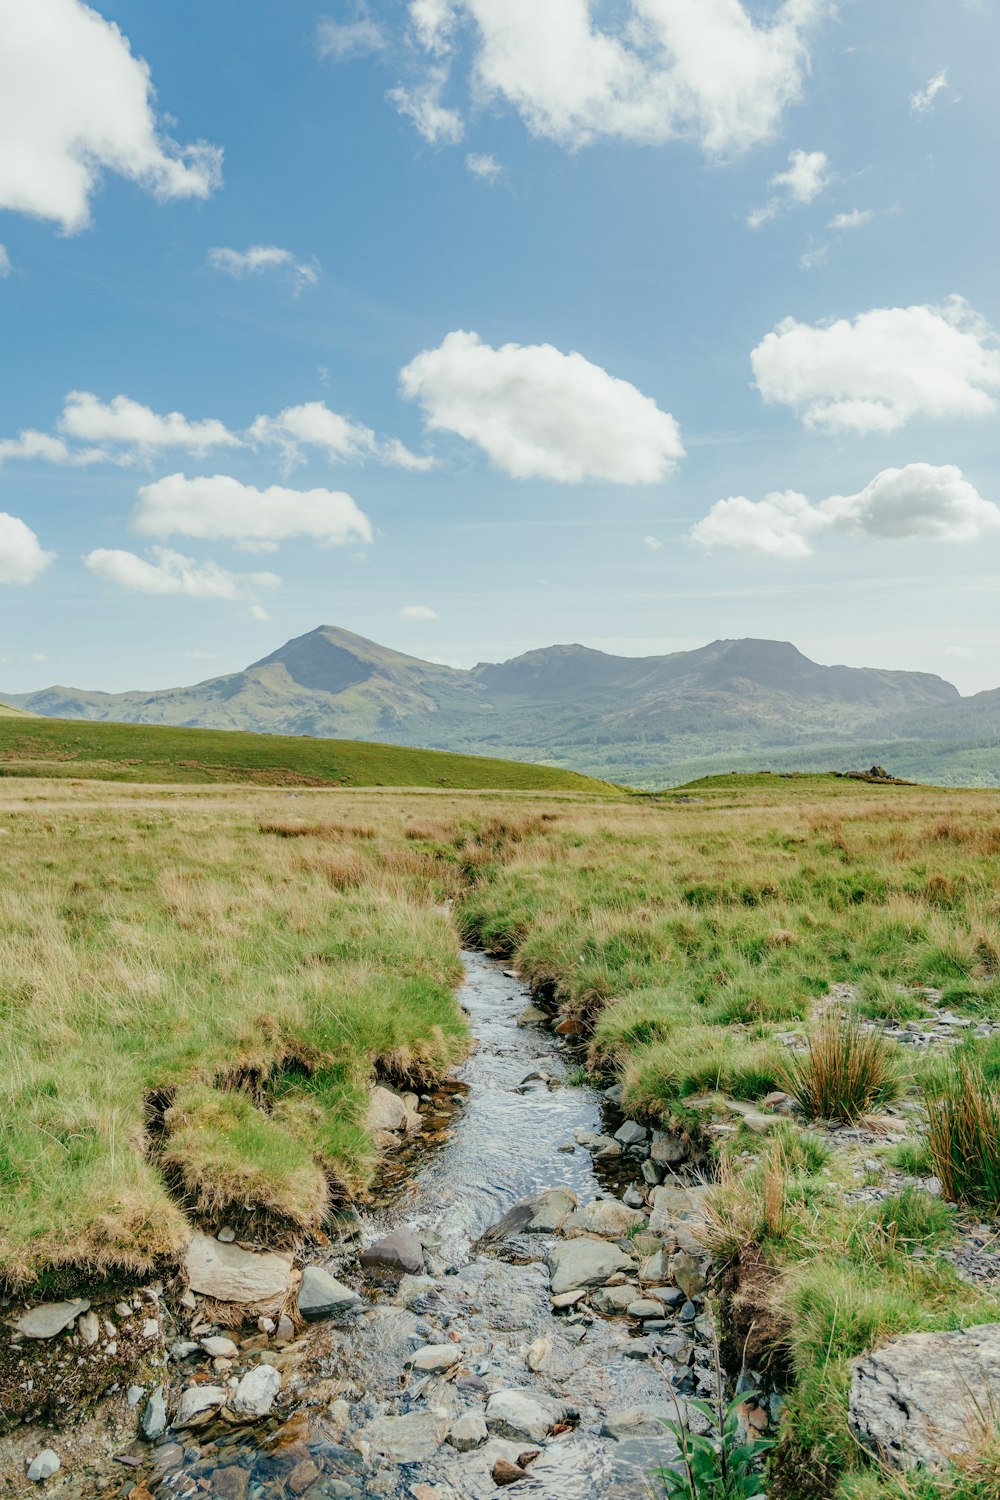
(846, 1072)
(963, 1141)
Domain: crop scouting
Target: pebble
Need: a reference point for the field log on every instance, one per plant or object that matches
(44, 1466)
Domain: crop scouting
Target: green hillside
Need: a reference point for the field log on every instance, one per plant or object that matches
(151, 753)
(8, 712)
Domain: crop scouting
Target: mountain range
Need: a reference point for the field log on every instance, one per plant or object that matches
(644, 720)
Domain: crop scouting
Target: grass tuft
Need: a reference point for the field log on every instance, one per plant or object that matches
(846, 1072)
(963, 1141)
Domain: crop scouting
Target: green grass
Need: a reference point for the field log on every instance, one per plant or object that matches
(152, 753)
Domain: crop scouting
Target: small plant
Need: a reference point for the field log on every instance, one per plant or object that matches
(577, 1078)
(884, 1000)
(913, 1158)
(964, 1136)
(717, 1465)
(846, 1072)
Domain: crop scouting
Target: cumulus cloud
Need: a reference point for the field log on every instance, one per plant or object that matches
(5, 265)
(666, 68)
(219, 506)
(653, 543)
(852, 220)
(173, 573)
(481, 164)
(259, 258)
(934, 502)
(924, 99)
(30, 444)
(314, 425)
(807, 175)
(418, 612)
(876, 372)
(421, 103)
(540, 413)
(74, 103)
(22, 558)
(341, 40)
(129, 423)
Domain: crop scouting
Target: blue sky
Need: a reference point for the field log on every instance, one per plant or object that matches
(617, 205)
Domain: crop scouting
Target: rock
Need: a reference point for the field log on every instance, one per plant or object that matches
(640, 1349)
(688, 1272)
(563, 1300)
(413, 1289)
(645, 1307)
(652, 1173)
(672, 1202)
(197, 1404)
(408, 1439)
(435, 1359)
(532, 1016)
(516, 1414)
(637, 1422)
(669, 1150)
(386, 1111)
(631, 1133)
(580, 1263)
(606, 1217)
(504, 1472)
(226, 1235)
(230, 1483)
(399, 1251)
(47, 1462)
(538, 1353)
(614, 1299)
(302, 1476)
(256, 1392)
(220, 1348)
(51, 1318)
(669, 1296)
(552, 1209)
(322, 1296)
(468, 1432)
(632, 1198)
(655, 1268)
(153, 1422)
(183, 1349)
(230, 1274)
(922, 1398)
(89, 1329)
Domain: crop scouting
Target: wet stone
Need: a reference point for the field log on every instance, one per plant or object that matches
(401, 1251)
(50, 1319)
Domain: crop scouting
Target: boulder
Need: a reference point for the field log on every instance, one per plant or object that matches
(667, 1149)
(220, 1348)
(468, 1432)
(387, 1112)
(580, 1263)
(197, 1404)
(408, 1439)
(230, 1274)
(631, 1133)
(551, 1210)
(322, 1296)
(614, 1299)
(518, 1415)
(51, 1318)
(606, 1217)
(689, 1273)
(399, 1251)
(922, 1398)
(256, 1392)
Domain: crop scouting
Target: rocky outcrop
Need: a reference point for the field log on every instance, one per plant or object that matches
(230, 1274)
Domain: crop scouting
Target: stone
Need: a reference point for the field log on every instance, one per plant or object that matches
(668, 1150)
(197, 1404)
(413, 1289)
(220, 1348)
(532, 1016)
(631, 1133)
(672, 1201)
(399, 1251)
(230, 1274)
(230, 1483)
(551, 1210)
(89, 1329)
(153, 1422)
(226, 1235)
(51, 1318)
(637, 1422)
(606, 1217)
(614, 1300)
(645, 1307)
(517, 1414)
(386, 1111)
(256, 1392)
(564, 1300)
(47, 1462)
(580, 1263)
(322, 1296)
(640, 1349)
(302, 1476)
(632, 1198)
(468, 1432)
(652, 1173)
(538, 1353)
(669, 1296)
(688, 1272)
(655, 1268)
(504, 1472)
(407, 1439)
(435, 1359)
(921, 1399)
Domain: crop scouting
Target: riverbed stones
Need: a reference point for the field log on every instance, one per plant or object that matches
(506, 1472)
(399, 1251)
(322, 1296)
(407, 1439)
(153, 1422)
(468, 1432)
(197, 1404)
(49, 1319)
(220, 1348)
(584, 1262)
(645, 1307)
(606, 1217)
(552, 1209)
(518, 1415)
(43, 1466)
(636, 1422)
(257, 1392)
(689, 1273)
(614, 1300)
(667, 1149)
(631, 1133)
(231, 1274)
(386, 1111)
(435, 1359)
(921, 1399)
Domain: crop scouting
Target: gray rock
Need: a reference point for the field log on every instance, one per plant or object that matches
(153, 1422)
(668, 1150)
(47, 1462)
(689, 1273)
(922, 1398)
(197, 1404)
(652, 1173)
(89, 1329)
(399, 1251)
(605, 1216)
(551, 1210)
(230, 1274)
(386, 1111)
(518, 1415)
(636, 1422)
(408, 1439)
(584, 1262)
(640, 1349)
(632, 1198)
(645, 1307)
(435, 1359)
(413, 1289)
(256, 1392)
(614, 1299)
(51, 1318)
(322, 1296)
(631, 1133)
(468, 1432)
(220, 1348)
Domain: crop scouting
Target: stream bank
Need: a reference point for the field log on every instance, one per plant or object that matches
(547, 1310)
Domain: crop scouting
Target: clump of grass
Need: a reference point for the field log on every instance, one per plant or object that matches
(913, 1158)
(885, 1000)
(963, 1141)
(846, 1072)
(906, 1221)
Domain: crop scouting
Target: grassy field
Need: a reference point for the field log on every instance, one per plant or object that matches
(198, 985)
(151, 753)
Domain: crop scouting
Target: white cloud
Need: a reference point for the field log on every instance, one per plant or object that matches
(314, 425)
(22, 559)
(30, 444)
(342, 40)
(259, 613)
(222, 507)
(668, 68)
(421, 103)
(918, 501)
(540, 413)
(852, 220)
(38, 656)
(5, 265)
(127, 422)
(173, 573)
(481, 164)
(259, 258)
(75, 102)
(418, 612)
(876, 372)
(807, 175)
(924, 98)
(653, 543)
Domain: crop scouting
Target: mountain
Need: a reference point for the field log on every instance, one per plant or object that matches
(631, 718)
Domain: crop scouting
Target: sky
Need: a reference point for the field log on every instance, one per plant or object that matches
(473, 326)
